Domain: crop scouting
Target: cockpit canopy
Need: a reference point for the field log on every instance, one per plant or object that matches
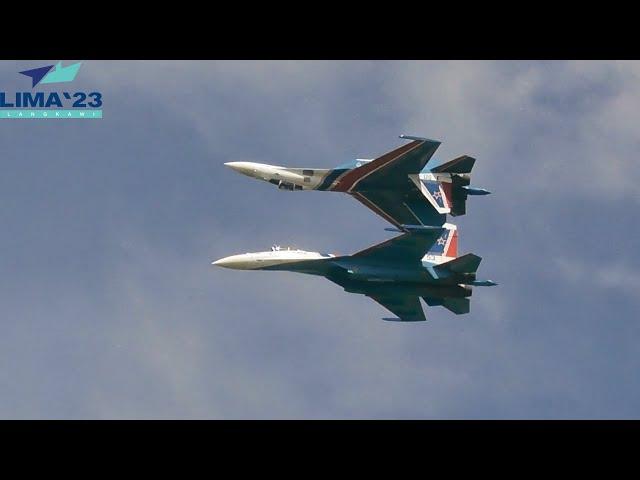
(278, 248)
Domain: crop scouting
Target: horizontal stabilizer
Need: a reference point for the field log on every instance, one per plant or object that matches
(462, 164)
(458, 306)
(432, 302)
(407, 308)
(467, 263)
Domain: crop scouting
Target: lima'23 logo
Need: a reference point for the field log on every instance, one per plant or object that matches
(47, 75)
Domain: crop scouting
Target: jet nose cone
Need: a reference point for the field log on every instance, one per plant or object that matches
(241, 167)
(236, 262)
(223, 262)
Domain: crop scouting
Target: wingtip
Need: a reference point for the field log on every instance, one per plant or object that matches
(420, 139)
(420, 228)
(404, 320)
(475, 190)
(484, 283)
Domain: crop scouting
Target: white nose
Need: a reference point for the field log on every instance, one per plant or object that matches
(238, 262)
(246, 168)
(223, 262)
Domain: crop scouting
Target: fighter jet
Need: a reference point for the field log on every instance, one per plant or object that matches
(395, 273)
(397, 186)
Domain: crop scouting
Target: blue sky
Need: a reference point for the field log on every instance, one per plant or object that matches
(110, 308)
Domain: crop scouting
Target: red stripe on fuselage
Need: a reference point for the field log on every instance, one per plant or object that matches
(351, 178)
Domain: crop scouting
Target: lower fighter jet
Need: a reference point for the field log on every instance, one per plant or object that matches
(395, 273)
(397, 186)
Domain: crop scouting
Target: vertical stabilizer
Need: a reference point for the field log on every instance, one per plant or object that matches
(445, 247)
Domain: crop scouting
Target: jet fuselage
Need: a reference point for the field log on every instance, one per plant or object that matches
(369, 277)
(352, 268)
(311, 178)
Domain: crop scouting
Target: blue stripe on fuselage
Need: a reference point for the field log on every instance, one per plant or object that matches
(330, 178)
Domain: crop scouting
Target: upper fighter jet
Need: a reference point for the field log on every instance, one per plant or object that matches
(397, 186)
(421, 263)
